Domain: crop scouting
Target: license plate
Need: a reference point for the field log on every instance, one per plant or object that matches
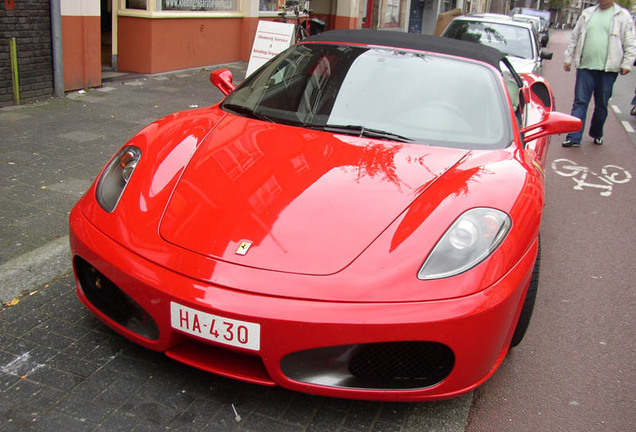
(215, 328)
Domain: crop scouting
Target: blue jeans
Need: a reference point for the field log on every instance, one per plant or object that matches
(588, 83)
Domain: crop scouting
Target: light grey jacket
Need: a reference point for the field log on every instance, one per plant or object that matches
(621, 50)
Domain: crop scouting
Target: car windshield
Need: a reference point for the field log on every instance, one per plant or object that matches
(379, 93)
(509, 39)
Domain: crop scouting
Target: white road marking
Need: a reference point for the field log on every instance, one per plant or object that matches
(628, 126)
(609, 176)
(616, 109)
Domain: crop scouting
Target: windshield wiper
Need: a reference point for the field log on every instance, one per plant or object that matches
(246, 111)
(363, 131)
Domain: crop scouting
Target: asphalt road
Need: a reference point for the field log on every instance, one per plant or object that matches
(574, 371)
(621, 103)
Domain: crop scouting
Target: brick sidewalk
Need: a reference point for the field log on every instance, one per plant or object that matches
(62, 370)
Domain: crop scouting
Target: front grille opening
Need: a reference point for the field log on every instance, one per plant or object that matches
(113, 302)
(427, 361)
(381, 366)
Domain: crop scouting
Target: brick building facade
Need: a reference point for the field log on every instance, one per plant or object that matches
(29, 22)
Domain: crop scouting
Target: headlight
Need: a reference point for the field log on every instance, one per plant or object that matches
(115, 177)
(469, 241)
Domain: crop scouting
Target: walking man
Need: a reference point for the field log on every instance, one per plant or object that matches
(601, 46)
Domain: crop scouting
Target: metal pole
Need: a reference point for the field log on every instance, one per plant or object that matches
(14, 70)
(56, 40)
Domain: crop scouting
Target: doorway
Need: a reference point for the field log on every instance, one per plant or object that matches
(106, 21)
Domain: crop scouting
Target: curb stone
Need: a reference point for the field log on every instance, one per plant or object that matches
(34, 268)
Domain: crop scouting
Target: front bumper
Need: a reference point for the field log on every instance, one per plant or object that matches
(305, 345)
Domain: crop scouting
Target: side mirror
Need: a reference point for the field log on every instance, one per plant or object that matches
(222, 79)
(552, 123)
(545, 55)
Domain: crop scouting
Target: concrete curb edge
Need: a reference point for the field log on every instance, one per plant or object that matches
(35, 268)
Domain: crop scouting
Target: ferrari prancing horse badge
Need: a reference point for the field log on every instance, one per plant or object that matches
(243, 247)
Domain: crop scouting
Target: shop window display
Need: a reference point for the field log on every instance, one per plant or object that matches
(199, 5)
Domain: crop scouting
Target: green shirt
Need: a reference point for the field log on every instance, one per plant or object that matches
(594, 54)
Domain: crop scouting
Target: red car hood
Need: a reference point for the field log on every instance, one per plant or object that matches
(294, 200)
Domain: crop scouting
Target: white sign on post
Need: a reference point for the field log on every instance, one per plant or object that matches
(271, 38)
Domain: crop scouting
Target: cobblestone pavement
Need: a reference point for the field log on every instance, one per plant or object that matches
(61, 369)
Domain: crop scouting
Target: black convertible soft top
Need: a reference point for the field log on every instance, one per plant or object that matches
(436, 44)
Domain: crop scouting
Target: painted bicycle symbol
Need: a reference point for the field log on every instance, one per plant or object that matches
(584, 177)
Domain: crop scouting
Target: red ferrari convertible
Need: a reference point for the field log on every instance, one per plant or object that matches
(358, 218)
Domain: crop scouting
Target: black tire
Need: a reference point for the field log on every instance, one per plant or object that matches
(528, 304)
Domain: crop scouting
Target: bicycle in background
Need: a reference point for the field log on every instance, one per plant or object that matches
(304, 24)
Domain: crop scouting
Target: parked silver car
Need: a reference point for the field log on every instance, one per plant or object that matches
(517, 39)
(540, 25)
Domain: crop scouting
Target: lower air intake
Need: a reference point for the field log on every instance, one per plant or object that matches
(381, 366)
(110, 300)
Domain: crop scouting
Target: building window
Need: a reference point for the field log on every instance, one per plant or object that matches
(392, 14)
(198, 5)
(270, 5)
(136, 4)
(448, 5)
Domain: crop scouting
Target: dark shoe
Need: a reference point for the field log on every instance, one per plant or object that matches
(568, 143)
(598, 141)
(633, 110)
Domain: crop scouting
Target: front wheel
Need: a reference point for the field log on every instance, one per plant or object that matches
(528, 304)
